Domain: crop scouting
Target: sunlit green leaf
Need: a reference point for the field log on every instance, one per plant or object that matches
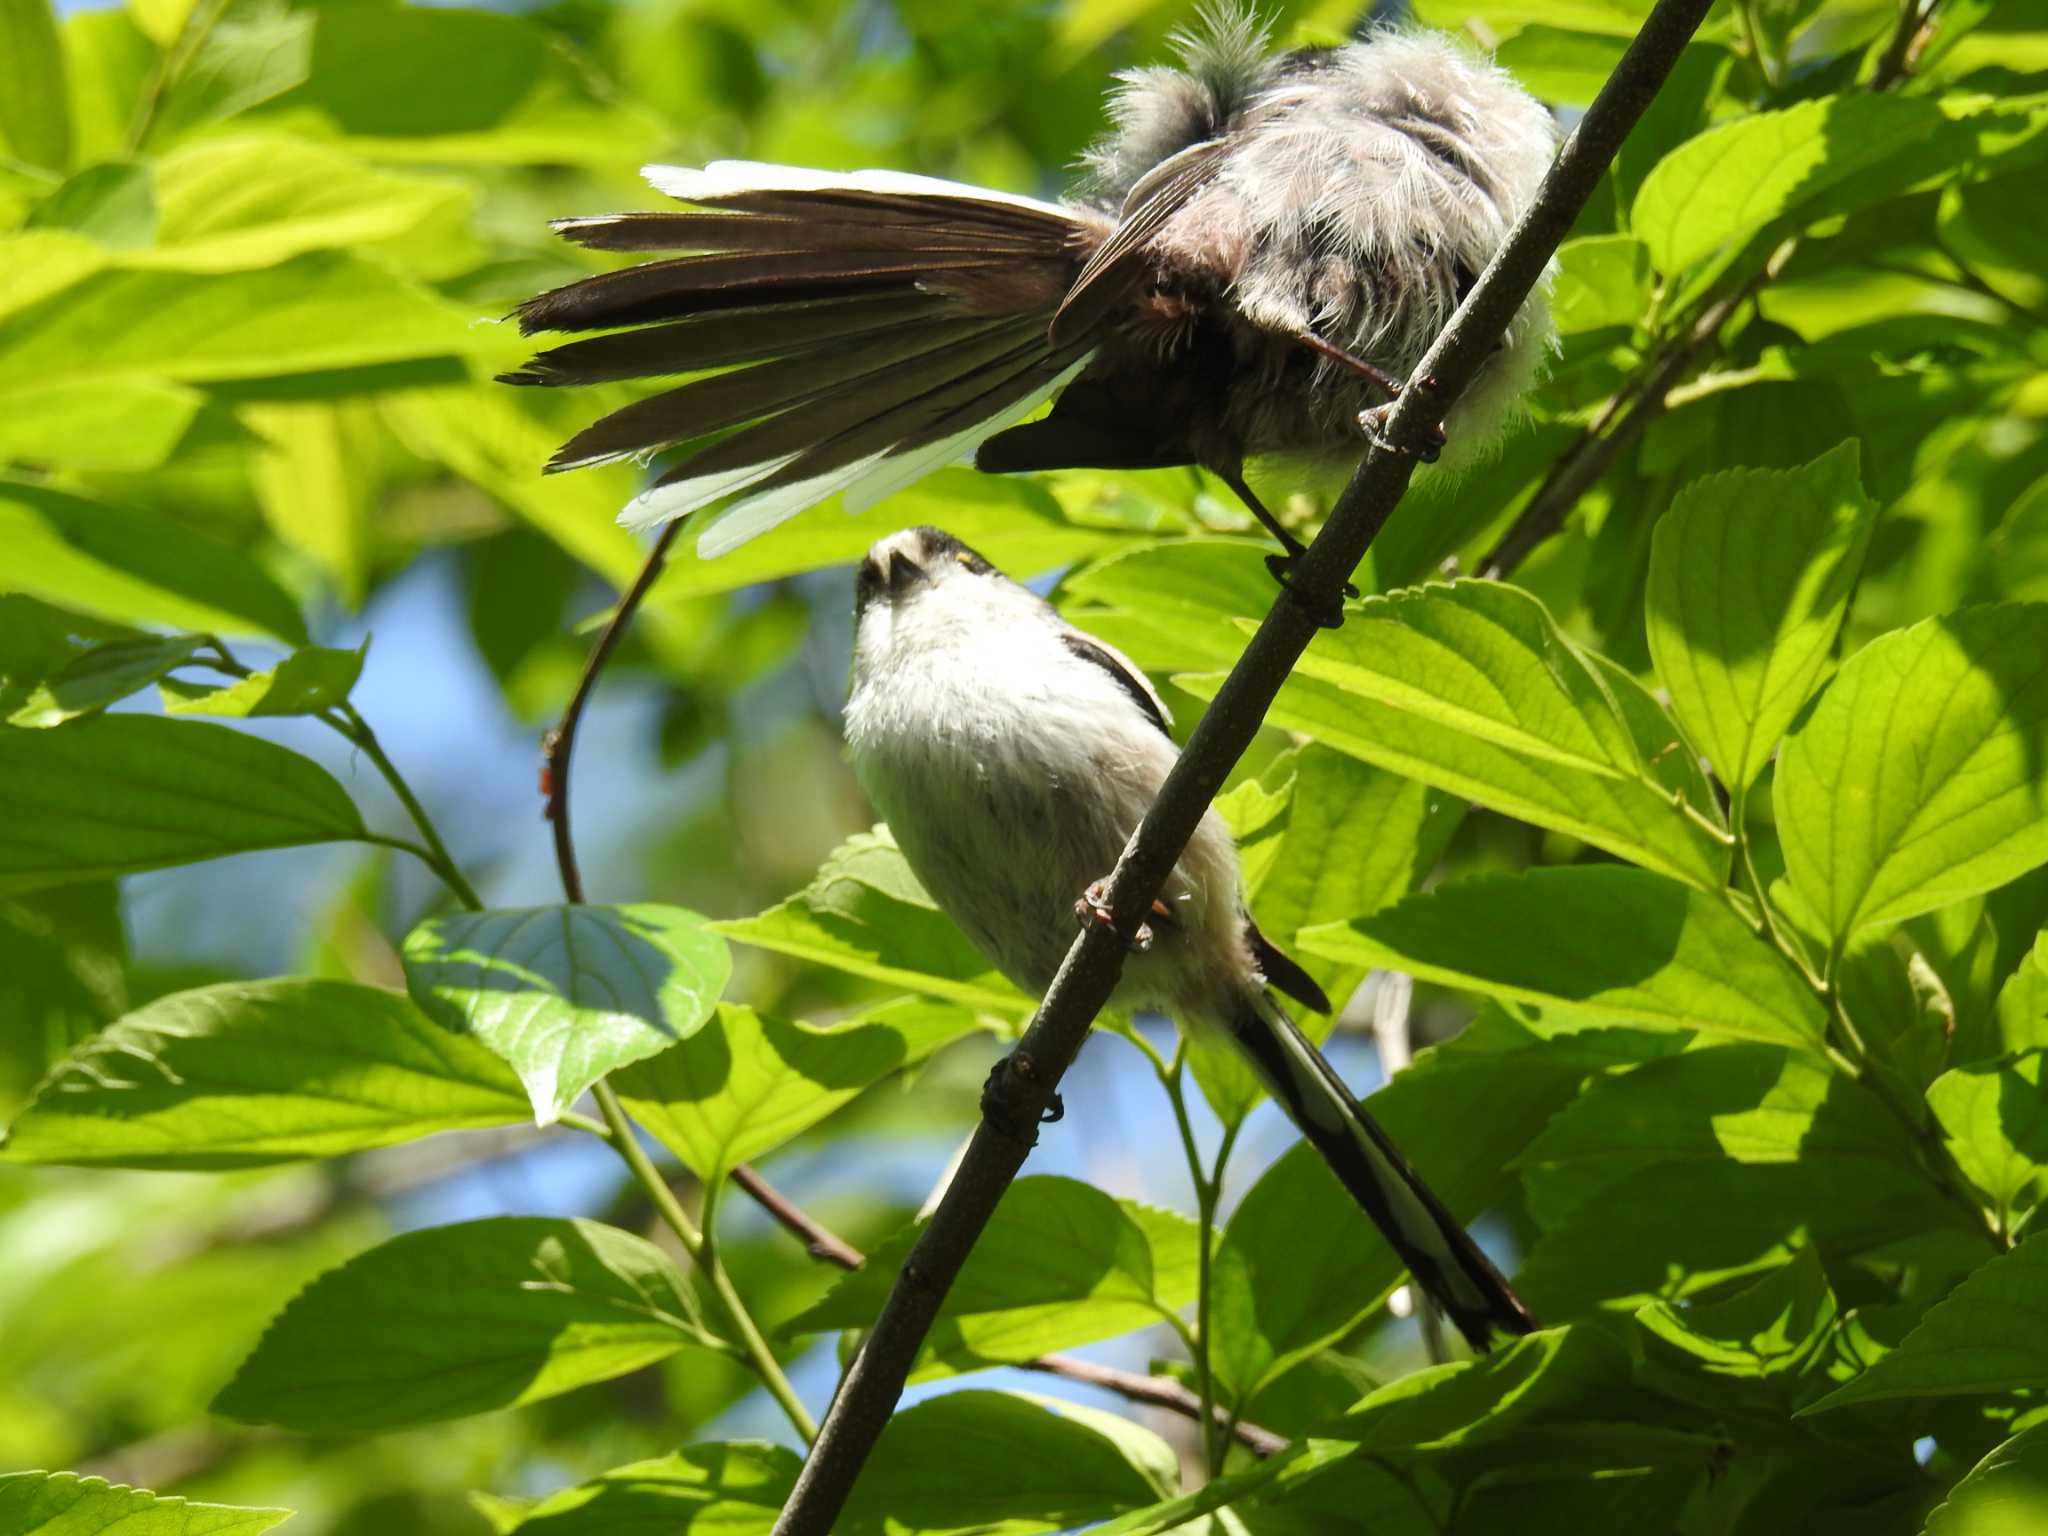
(1987, 1335)
(2005, 1494)
(1598, 940)
(261, 1072)
(226, 204)
(1461, 1113)
(130, 424)
(319, 311)
(732, 1488)
(1922, 775)
(35, 119)
(971, 1462)
(1735, 178)
(566, 994)
(1749, 1347)
(1015, 523)
(1716, 1162)
(450, 1321)
(1750, 575)
(1558, 1372)
(748, 1084)
(1995, 1117)
(1059, 1264)
(101, 676)
(116, 793)
(134, 567)
(865, 912)
(65, 1504)
(1602, 280)
(304, 683)
(2022, 1006)
(1638, 817)
(61, 979)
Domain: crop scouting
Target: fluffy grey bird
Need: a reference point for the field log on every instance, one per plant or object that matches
(1012, 757)
(1262, 247)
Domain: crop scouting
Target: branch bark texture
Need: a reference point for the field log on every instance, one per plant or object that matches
(868, 1394)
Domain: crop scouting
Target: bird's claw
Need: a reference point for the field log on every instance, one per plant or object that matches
(1328, 615)
(1373, 423)
(1094, 908)
(998, 1106)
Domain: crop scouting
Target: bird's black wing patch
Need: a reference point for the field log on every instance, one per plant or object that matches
(1282, 973)
(1100, 655)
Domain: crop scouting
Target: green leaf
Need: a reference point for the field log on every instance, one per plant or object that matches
(1486, 660)
(1014, 522)
(1298, 1463)
(1990, 1334)
(114, 202)
(1168, 606)
(1602, 281)
(1735, 178)
(2022, 1006)
(2005, 1494)
(492, 442)
(732, 1488)
(730, 1093)
(1921, 777)
(324, 310)
(1748, 1350)
(1597, 940)
(450, 1321)
(1995, 1117)
(35, 115)
(317, 478)
(304, 683)
(1461, 1112)
(1558, 1372)
(65, 1504)
(864, 912)
(253, 200)
(1750, 576)
(38, 641)
(1718, 1161)
(102, 676)
(566, 994)
(1638, 817)
(971, 1462)
(250, 1073)
(134, 567)
(1060, 1264)
(61, 979)
(122, 424)
(112, 794)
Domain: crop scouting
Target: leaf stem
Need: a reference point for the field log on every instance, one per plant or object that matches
(357, 730)
(704, 1255)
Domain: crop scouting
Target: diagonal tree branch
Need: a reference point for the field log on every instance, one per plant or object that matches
(868, 1393)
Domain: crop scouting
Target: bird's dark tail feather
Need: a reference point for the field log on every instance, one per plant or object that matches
(1439, 1253)
(875, 326)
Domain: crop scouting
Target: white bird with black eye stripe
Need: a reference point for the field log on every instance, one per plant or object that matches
(1012, 757)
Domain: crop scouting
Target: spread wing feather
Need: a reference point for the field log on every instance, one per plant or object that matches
(874, 325)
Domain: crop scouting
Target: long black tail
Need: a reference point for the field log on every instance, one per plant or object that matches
(1438, 1251)
(881, 324)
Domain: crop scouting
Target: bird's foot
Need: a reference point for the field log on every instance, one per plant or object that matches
(998, 1098)
(1094, 908)
(1324, 615)
(1373, 423)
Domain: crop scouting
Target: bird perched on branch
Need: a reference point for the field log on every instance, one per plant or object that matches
(1262, 248)
(1012, 757)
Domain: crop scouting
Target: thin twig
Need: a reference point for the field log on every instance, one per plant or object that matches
(1617, 424)
(869, 1391)
(1160, 1391)
(819, 1241)
(560, 745)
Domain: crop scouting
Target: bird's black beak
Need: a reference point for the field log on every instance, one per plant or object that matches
(873, 579)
